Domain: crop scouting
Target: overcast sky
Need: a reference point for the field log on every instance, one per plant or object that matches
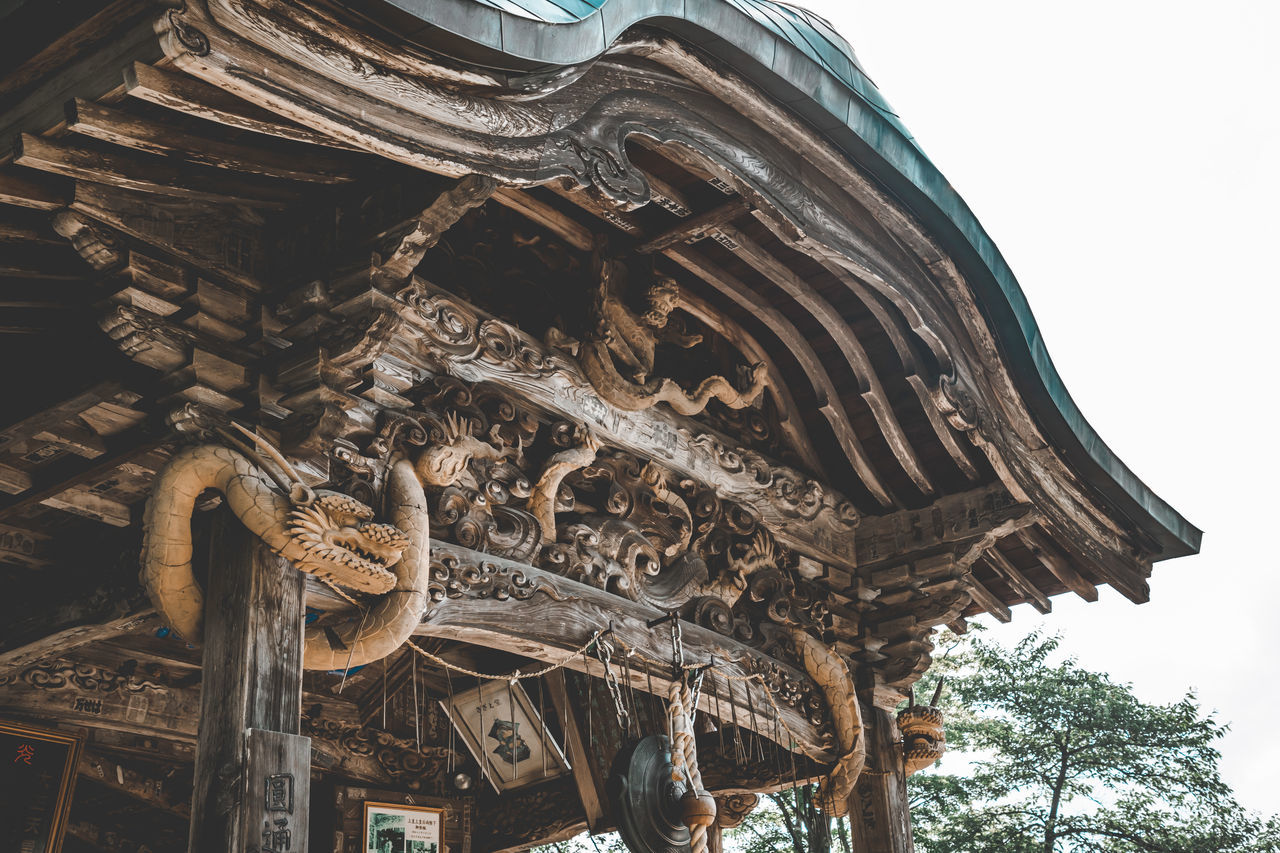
(1123, 156)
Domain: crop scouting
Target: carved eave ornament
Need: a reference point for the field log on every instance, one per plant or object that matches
(967, 326)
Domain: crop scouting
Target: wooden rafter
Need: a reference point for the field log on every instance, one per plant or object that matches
(114, 126)
(186, 94)
(145, 173)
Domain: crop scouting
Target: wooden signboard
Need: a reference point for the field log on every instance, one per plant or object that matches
(38, 769)
(361, 808)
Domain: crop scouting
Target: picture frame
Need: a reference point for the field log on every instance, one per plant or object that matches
(37, 780)
(506, 735)
(401, 828)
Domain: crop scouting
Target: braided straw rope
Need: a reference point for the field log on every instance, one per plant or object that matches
(684, 753)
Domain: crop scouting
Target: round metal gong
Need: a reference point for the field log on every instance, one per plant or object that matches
(645, 799)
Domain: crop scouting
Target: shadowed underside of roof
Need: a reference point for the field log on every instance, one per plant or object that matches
(800, 60)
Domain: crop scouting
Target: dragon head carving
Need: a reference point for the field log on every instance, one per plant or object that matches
(344, 544)
(924, 739)
(443, 463)
(333, 535)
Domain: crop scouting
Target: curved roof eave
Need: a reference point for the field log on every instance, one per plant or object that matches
(796, 57)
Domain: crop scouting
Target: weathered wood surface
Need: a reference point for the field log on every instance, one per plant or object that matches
(275, 795)
(591, 790)
(107, 124)
(252, 678)
(85, 63)
(445, 332)
(735, 133)
(186, 94)
(144, 173)
(79, 623)
(878, 809)
(531, 612)
(147, 789)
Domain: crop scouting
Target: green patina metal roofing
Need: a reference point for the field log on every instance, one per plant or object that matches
(799, 59)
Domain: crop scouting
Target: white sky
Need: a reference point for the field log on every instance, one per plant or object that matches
(1123, 156)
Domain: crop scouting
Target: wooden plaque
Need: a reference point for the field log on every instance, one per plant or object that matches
(456, 816)
(38, 768)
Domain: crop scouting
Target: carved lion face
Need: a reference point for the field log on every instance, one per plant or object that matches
(344, 544)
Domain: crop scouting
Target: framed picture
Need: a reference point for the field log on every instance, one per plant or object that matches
(506, 735)
(37, 776)
(392, 828)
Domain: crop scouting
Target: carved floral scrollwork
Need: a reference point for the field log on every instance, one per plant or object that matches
(602, 165)
(453, 578)
(407, 763)
(82, 676)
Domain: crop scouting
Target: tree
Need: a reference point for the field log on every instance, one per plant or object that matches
(1054, 759)
(1064, 759)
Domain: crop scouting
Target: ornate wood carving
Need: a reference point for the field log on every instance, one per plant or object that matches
(573, 130)
(500, 604)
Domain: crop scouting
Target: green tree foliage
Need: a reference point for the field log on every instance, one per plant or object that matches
(1064, 759)
(1053, 758)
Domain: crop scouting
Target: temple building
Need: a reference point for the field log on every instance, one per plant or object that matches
(459, 425)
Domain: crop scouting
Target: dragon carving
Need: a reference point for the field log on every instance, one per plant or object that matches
(830, 672)
(618, 358)
(328, 534)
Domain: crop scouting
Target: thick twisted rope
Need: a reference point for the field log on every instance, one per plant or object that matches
(684, 754)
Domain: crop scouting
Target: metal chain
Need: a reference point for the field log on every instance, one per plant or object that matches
(677, 657)
(604, 652)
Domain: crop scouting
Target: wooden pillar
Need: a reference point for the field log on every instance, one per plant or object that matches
(878, 811)
(252, 773)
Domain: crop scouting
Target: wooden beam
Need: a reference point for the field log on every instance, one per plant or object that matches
(827, 397)
(116, 127)
(124, 32)
(426, 229)
(150, 790)
(142, 173)
(950, 519)
(548, 617)
(902, 339)
(65, 474)
(81, 693)
(988, 600)
(591, 789)
(869, 386)
(1016, 580)
(34, 190)
(78, 500)
(878, 808)
(186, 94)
(789, 415)
(820, 526)
(1053, 560)
(696, 227)
(546, 215)
(93, 618)
(251, 698)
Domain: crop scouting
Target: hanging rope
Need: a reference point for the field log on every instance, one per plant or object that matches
(697, 806)
(686, 700)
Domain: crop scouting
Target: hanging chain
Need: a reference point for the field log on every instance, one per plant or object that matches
(604, 652)
(677, 654)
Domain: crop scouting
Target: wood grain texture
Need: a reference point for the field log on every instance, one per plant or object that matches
(497, 603)
(252, 667)
(878, 809)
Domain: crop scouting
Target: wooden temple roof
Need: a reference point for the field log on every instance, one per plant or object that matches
(190, 199)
